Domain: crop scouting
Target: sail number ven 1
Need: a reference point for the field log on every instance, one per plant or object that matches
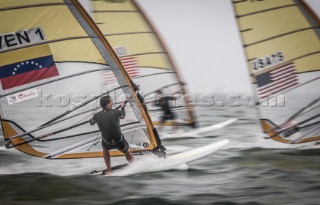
(21, 38)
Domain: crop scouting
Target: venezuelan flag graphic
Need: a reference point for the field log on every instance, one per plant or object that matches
(27, 71)
(26, 65)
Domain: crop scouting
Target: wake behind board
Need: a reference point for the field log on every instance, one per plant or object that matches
(195, 132)
(150, 163)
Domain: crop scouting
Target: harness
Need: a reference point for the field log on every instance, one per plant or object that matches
(112, 141)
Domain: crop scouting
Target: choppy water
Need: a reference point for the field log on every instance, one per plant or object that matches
(249, 170)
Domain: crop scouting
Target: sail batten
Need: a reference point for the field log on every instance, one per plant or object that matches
(116, 11)
(31, 6)
(298, 57)
(46, 42)
(128, 33)
(281, 35)
(266, 10)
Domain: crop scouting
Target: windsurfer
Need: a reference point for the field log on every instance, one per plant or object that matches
(108, 121)
(163, 102)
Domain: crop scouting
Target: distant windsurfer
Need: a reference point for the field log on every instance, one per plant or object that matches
(108, 121)
(163, 102)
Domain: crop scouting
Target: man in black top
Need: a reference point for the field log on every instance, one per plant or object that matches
(108, 121)
(163, 102)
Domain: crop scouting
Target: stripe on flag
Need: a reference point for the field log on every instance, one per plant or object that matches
(130, 64)
(277, 80)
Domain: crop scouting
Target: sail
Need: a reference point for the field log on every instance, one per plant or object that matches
(144, 56)
(281, 43)
(53, 60)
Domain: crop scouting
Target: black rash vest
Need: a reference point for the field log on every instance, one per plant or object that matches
(163, 102)
(109, 124)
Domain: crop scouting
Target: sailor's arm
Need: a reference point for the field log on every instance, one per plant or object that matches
(123, 113)
(172, 97)
(92, 121)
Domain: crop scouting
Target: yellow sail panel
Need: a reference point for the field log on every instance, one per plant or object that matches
(47, 19)
(305, 44)
(19, 3)
(308, 63)
(245, 7)
(268, 24)
(281, 42)
(270, 27)
(123, 5)
(153, 60)
(266, 30)
(152, 55)
(124, 22)
(138, 43)
(72, 50)
(68, 46)
(133, 37)
(24, 54)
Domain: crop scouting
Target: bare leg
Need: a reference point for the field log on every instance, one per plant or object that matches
(129, 156)
(106, 157)
(161, 125)
(173, 126)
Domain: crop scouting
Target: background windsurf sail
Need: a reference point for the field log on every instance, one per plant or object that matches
(144, 56)
(53, 60)
(281, 42)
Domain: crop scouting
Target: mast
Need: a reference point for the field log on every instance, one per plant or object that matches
(114, 62)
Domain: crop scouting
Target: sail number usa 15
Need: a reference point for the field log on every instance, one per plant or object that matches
(21, 38)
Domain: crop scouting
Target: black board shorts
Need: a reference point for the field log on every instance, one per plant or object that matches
(122, 145)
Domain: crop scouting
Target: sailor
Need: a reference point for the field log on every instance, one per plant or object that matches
(108, 121)
(163, 102)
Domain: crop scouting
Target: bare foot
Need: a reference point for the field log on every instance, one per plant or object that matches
(131, 160)
(107, 173)
(129, 156)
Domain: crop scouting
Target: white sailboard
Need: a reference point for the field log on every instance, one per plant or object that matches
(151, 163)
(195, 133)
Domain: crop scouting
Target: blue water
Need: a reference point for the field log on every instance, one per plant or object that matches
(249, 170)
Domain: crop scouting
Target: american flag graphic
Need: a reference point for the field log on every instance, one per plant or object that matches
(277, 80)
(130, 64)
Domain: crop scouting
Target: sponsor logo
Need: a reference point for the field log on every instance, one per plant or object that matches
(145, 144)
(121, 50)
(22, 96)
